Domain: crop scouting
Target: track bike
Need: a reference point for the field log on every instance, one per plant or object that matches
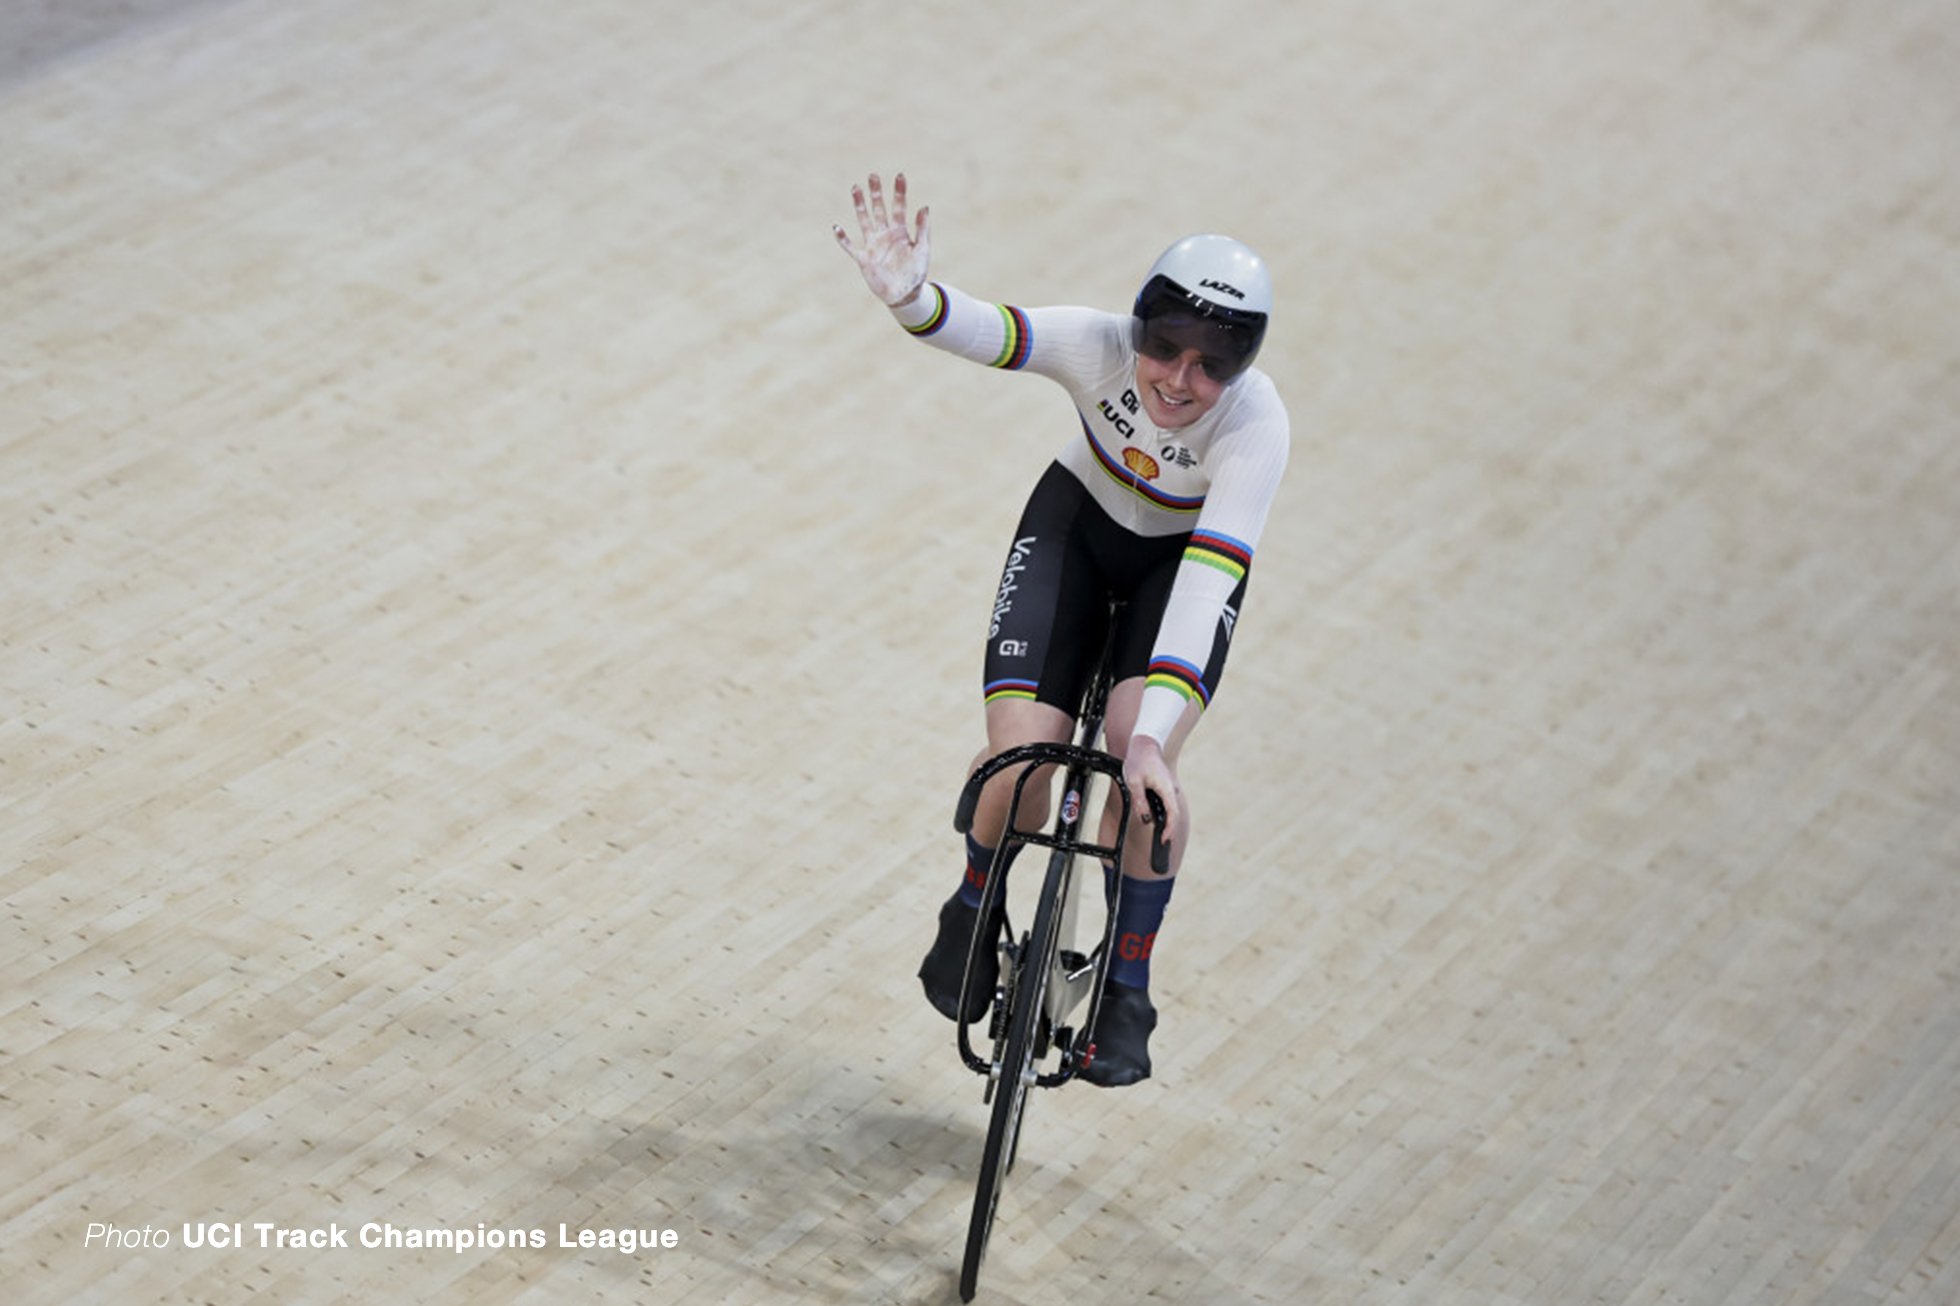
(1043, 979)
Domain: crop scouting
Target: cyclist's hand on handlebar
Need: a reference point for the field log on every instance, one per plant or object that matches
(1145, 769)
(892, 258)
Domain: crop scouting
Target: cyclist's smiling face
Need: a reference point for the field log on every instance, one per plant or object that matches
(1176, 391)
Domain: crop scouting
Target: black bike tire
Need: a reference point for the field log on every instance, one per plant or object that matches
(1011, 1094)
(1044, 944)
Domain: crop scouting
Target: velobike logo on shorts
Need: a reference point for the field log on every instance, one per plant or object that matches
(1017, 562)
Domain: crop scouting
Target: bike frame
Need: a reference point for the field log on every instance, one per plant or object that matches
(1081, 762)
(1041, 978)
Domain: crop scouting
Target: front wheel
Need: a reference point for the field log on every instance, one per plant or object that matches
(1024, 1030)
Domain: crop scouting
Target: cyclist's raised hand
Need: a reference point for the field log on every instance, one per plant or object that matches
(892, 258)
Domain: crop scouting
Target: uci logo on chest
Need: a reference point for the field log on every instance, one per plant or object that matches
(1121, 420)
(1117, 420)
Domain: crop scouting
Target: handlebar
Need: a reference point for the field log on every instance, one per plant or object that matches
(1091, 759)
(1160, 848)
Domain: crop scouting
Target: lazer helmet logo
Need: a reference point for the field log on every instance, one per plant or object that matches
(1233, 291)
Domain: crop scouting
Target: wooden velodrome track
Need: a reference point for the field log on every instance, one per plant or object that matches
(491, 636)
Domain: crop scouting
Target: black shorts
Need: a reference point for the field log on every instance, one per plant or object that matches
(1069, 559)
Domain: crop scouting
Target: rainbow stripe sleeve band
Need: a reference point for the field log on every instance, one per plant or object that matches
(1014, 347)
(1221, 551)
(938, 318)
(1180, 676)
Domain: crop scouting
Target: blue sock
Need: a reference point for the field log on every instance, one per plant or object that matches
(1138, 917)
(978, 858)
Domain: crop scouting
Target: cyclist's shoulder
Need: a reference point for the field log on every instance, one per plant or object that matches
(1080, 326)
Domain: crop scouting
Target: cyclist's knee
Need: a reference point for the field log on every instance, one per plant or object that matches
(1138, 837)
(1010, 724)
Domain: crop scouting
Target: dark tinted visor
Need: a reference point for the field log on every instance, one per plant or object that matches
(1223, 351)
(1169, 320)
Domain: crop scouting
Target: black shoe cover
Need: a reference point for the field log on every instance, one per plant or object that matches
(941, 970)
(1121, 1037)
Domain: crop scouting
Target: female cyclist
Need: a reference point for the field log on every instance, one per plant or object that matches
(1159, 499)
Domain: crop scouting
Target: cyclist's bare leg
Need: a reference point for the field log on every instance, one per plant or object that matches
(1126, 1017)
(1012, 722)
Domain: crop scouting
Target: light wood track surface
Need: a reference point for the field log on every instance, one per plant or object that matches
(491, 637)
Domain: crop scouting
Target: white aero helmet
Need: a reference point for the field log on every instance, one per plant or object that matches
(1208, 293)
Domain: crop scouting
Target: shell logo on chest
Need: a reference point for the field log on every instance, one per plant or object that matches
(1141, 463)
